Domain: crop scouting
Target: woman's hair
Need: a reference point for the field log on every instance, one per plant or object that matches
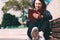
(43, 5)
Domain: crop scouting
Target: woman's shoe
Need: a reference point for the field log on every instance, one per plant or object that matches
(35, 33)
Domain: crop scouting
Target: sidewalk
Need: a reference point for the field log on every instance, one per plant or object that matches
(13, 34)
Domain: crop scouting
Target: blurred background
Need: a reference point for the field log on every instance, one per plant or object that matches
(11, 18)
(22, 5)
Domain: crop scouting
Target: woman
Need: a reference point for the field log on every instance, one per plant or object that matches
(38, 20)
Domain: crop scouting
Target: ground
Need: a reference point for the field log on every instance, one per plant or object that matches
(13, 34)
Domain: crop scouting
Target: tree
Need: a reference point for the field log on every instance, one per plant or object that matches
(24, 4)
(8, 19)
(9, 5)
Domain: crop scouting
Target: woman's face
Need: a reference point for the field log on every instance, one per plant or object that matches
(38, 4)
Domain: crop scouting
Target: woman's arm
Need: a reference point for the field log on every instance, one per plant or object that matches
(47, 15)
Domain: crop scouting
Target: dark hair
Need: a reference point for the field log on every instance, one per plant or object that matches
(43, 5)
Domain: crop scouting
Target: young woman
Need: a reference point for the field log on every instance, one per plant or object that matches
(38, 20)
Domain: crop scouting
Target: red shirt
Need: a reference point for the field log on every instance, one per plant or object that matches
(30, 15)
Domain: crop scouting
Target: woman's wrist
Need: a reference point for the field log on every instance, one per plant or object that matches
(41, 16)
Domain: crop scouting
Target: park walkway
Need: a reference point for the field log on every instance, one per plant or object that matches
(13, 34)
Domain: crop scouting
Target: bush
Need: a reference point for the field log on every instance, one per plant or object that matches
(9, 20)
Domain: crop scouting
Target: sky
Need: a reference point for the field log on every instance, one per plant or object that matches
(53, 7)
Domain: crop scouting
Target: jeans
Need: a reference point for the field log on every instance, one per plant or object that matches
(42, 26)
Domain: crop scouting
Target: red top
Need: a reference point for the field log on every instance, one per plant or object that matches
(30, 15)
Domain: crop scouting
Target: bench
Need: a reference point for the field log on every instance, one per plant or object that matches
(55, 28)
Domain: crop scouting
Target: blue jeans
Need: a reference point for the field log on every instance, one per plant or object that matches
(42, 26)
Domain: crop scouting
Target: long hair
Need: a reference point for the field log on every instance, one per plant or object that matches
(43, 5)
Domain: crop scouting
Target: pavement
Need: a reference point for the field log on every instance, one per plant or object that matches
(13, 34)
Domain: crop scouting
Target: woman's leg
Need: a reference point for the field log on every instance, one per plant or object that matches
(46, 31)
(43, 26)
(30, 25)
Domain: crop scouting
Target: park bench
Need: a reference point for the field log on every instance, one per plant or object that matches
(55, 29)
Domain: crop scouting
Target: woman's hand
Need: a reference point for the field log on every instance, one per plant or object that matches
(41, 16)
(35, 15)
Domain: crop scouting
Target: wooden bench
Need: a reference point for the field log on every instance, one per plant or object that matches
(55, 28)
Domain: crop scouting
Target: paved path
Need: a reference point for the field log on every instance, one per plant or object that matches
(13, 34)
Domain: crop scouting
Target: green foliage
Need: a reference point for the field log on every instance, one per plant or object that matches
(24, 4)
(9, 5)
(9, 20)
(21, 5)
(5, 9)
